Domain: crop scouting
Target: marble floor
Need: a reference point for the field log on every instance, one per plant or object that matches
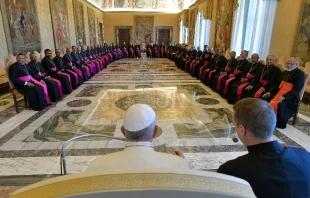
(191, 118)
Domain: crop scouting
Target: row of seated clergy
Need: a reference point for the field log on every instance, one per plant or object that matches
(45, 82)
(131, 51)
(236, 79)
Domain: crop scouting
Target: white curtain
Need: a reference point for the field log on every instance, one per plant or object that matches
(207, 32)
(181, 33)
(253, 27)
(197, 31)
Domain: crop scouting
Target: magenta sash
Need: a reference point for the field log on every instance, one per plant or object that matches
(191, 67)
(90, 57)
(228, 69)
(139, 53)
(70, 64)
(75, 75)
(218, 86)
(54, 69)
(29, 78)
(210, 74)
(237, 71)
(87, 70)
(67, 75)
(258, 94)
(42, 74)
(240, 87)
(59, 86)
(79, 72)
(226, 84)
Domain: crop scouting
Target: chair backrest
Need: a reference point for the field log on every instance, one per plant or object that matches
(262, 62)
(301, 93)
(2, 66)
(282, 60)
(140, 180)
(27, 57)
(281, 67)
(7, 68)
(249, 59)
(11, 58)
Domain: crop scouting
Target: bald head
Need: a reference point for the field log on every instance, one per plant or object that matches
(270, 60)
(255, 58)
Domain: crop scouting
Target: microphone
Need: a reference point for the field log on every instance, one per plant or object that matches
(235, 138)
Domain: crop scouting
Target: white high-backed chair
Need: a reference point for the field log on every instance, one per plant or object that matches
(11, 58)
(27, 58)
(151, 183)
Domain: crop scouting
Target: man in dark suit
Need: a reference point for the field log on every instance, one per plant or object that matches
(271, 169)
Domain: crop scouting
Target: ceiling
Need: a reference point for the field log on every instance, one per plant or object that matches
(172, 6)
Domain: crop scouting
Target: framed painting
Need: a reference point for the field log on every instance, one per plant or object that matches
(60, 23)
(21, 26)
(92, 26)
(301, 46)
(143, 29)
(78, 10)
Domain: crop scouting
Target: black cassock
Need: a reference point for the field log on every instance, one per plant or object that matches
(41, 74)
(252, 70)
(35, 94)
(49, 65)
(272, 74)
(218, 64)
(241, 66)
(60, 64)
(76, 62)
(288, 107)
(229, 63)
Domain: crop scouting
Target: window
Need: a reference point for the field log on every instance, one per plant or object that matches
(202, 31)
(181, 37)
(253, 26)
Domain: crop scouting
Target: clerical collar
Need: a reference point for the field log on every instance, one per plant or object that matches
(272, 147)
(139, 144)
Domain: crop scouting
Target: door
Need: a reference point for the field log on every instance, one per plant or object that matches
(163, 36)
(124, 36)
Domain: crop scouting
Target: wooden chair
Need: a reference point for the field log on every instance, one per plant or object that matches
(301, 93)
(13, 90)
(4, 84)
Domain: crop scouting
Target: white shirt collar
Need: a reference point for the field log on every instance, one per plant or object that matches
(139, 144)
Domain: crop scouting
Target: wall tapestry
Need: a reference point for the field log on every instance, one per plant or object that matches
(223, 23)
(21, 27)
(79, 22)
(60, 23)
(302, 40)
(192, 22)
(143, 29)
(92, 26)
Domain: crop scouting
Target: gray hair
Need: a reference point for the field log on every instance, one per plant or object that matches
(257, 116)
(142, 135)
